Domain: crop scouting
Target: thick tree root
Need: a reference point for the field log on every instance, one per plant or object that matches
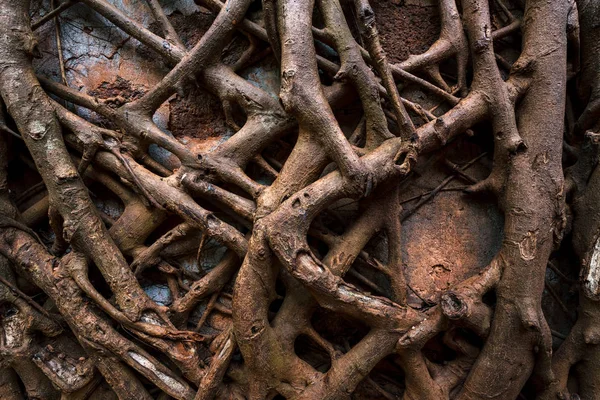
(246, 239)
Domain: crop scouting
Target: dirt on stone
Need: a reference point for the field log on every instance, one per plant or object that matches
(197, 114)
(118, 92)
(194, 112)
(405, 29)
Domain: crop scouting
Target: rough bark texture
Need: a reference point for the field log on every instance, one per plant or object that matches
(298, 199)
